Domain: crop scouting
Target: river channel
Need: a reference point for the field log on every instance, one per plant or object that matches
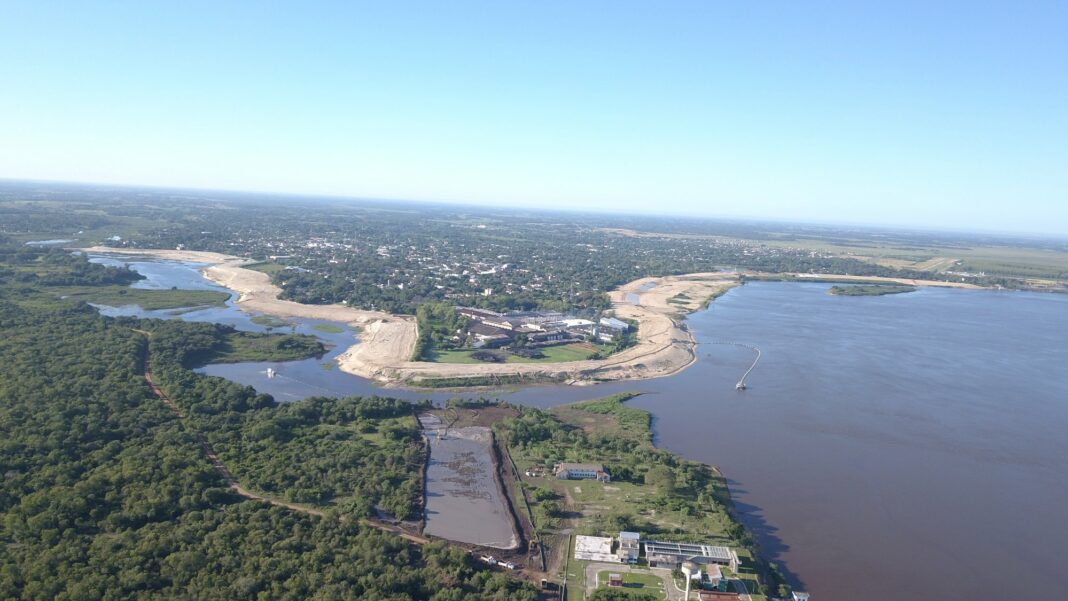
(904, 446)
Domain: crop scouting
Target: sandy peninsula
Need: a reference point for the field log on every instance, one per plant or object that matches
(386, 341)
(384, 346)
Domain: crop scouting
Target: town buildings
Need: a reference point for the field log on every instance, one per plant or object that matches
(490, 329)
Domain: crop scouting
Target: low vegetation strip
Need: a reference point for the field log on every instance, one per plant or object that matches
(147, 299)
(878, 290)
(237, 347)
(486, 381)
(550, 354)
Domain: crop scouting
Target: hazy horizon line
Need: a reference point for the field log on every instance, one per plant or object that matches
(575, 210)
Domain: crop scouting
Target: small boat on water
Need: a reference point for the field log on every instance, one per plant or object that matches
(270, 372)
(739, 386)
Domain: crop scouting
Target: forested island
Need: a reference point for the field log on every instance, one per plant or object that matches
(870, 290)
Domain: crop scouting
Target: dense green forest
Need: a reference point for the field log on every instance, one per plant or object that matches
(107, 494)
(24, 265)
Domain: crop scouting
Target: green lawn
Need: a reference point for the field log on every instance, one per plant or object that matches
(634, 581)
(150, 300)
(558, 354)
(268, 267)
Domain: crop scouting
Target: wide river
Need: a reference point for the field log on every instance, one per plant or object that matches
(909, 446)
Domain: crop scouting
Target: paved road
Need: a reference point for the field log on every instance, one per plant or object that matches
(742, 589)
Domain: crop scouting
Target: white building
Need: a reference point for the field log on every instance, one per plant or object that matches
(581, 471)
(667, 554)
(610, 328)
(629, 547)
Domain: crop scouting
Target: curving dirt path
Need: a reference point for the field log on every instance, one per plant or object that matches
(213, 457)
(228, 476)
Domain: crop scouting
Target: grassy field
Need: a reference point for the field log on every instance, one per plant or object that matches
(151, 300)
(553, 354)
(634, 581)
(268, 267)
(328, 328)
(990, 259)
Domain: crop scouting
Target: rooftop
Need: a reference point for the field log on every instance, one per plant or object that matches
(688, 550)
(593, 467)
(612, 322)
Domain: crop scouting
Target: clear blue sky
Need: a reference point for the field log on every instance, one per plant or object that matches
(934, 113)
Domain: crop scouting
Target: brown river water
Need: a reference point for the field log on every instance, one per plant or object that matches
(910, 446)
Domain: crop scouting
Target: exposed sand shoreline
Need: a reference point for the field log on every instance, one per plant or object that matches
(386, 341)
(801, 277)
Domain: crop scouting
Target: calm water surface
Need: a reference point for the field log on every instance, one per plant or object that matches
(905, 446)
(899, 447)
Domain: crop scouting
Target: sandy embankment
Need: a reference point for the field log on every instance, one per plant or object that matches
(389, 338)
(386, 341)
(873, 279)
